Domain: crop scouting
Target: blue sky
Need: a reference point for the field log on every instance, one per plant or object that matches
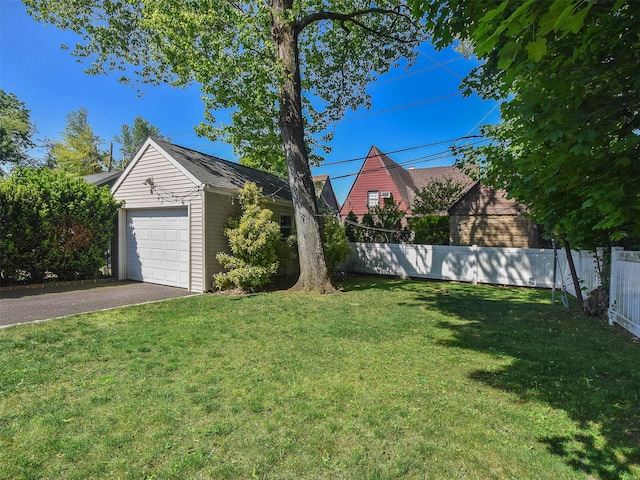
(410, 108)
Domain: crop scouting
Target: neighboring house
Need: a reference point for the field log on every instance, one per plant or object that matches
(327, 201)
(177, 203)
(485, 217)
(482, 216)
(381, 178)
(103, 179)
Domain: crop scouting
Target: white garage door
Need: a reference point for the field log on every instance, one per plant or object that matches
(158, 246)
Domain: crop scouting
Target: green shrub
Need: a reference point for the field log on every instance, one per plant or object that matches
(53, 223)
(335, 243)
(430, 229)
(254, 240)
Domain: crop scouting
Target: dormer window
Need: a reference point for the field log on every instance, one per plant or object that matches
(373, 198)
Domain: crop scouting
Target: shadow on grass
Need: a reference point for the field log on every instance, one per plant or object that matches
(570, 362)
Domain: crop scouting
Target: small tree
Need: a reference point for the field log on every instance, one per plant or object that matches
(350, 226)
(254, 240)
(133, 136)
(16, 131)
(388, 220)
(437, 196)
(78, 153)
(335, 242)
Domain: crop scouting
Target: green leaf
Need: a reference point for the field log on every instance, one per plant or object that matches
(491, 14)
(537, 49)
(576, 21)
(549, 19)
(556, 135)
(507, 55)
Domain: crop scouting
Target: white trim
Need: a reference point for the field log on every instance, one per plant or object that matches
(122, 244)
(203, 199)
(190, 260)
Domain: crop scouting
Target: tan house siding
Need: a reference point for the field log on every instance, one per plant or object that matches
(494, 231)
(218, 210)
(173, 189)
(487, 218)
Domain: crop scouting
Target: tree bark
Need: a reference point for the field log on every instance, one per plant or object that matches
(314, 276)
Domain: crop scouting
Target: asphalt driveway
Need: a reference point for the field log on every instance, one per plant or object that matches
(24, 306)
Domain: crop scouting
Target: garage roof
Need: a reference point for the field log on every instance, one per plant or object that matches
(216, 172)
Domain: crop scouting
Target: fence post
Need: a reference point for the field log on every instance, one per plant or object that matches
(613, 283)
(476, 270)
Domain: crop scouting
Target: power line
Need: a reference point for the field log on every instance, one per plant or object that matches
(441, 65)
(410, 74)
(400, 107)
(422, 159)
(417, 147)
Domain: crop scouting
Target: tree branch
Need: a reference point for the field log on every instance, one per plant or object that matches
(353, 17)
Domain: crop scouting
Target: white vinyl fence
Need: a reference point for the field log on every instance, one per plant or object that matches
(624, 295)
(507, 266)
(500, 266)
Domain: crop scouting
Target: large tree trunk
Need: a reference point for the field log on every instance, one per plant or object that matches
(314, 276)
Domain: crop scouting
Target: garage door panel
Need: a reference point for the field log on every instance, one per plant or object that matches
(157, 234)
(171, 235)
(171, 256)
(158, 246)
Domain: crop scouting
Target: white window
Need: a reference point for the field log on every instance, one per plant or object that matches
(373, 198)
(286, 225)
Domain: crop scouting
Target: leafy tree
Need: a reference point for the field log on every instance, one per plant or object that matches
(568, 146)
(78, 153)
(254, 240)
(350, 228)
(437, 196)
(368, 234)
(16, 131)
(335, 242)
(385, 223)
(133, 136)
(255, 58)
(53, 222)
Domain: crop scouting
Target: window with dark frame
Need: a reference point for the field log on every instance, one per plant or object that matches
(286, 225)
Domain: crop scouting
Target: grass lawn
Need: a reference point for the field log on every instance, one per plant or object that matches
(389, 379)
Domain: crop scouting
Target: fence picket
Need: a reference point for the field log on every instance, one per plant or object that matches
(624, 296)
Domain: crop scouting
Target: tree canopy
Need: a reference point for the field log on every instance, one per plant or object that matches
(79, 151)
(568, 145)
(16, 130)
(255, 58)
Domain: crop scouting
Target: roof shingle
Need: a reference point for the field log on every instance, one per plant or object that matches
(216, 172)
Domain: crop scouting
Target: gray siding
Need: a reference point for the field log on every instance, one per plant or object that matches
(173, 188)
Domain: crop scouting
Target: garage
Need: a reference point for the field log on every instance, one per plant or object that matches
(158, 246)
